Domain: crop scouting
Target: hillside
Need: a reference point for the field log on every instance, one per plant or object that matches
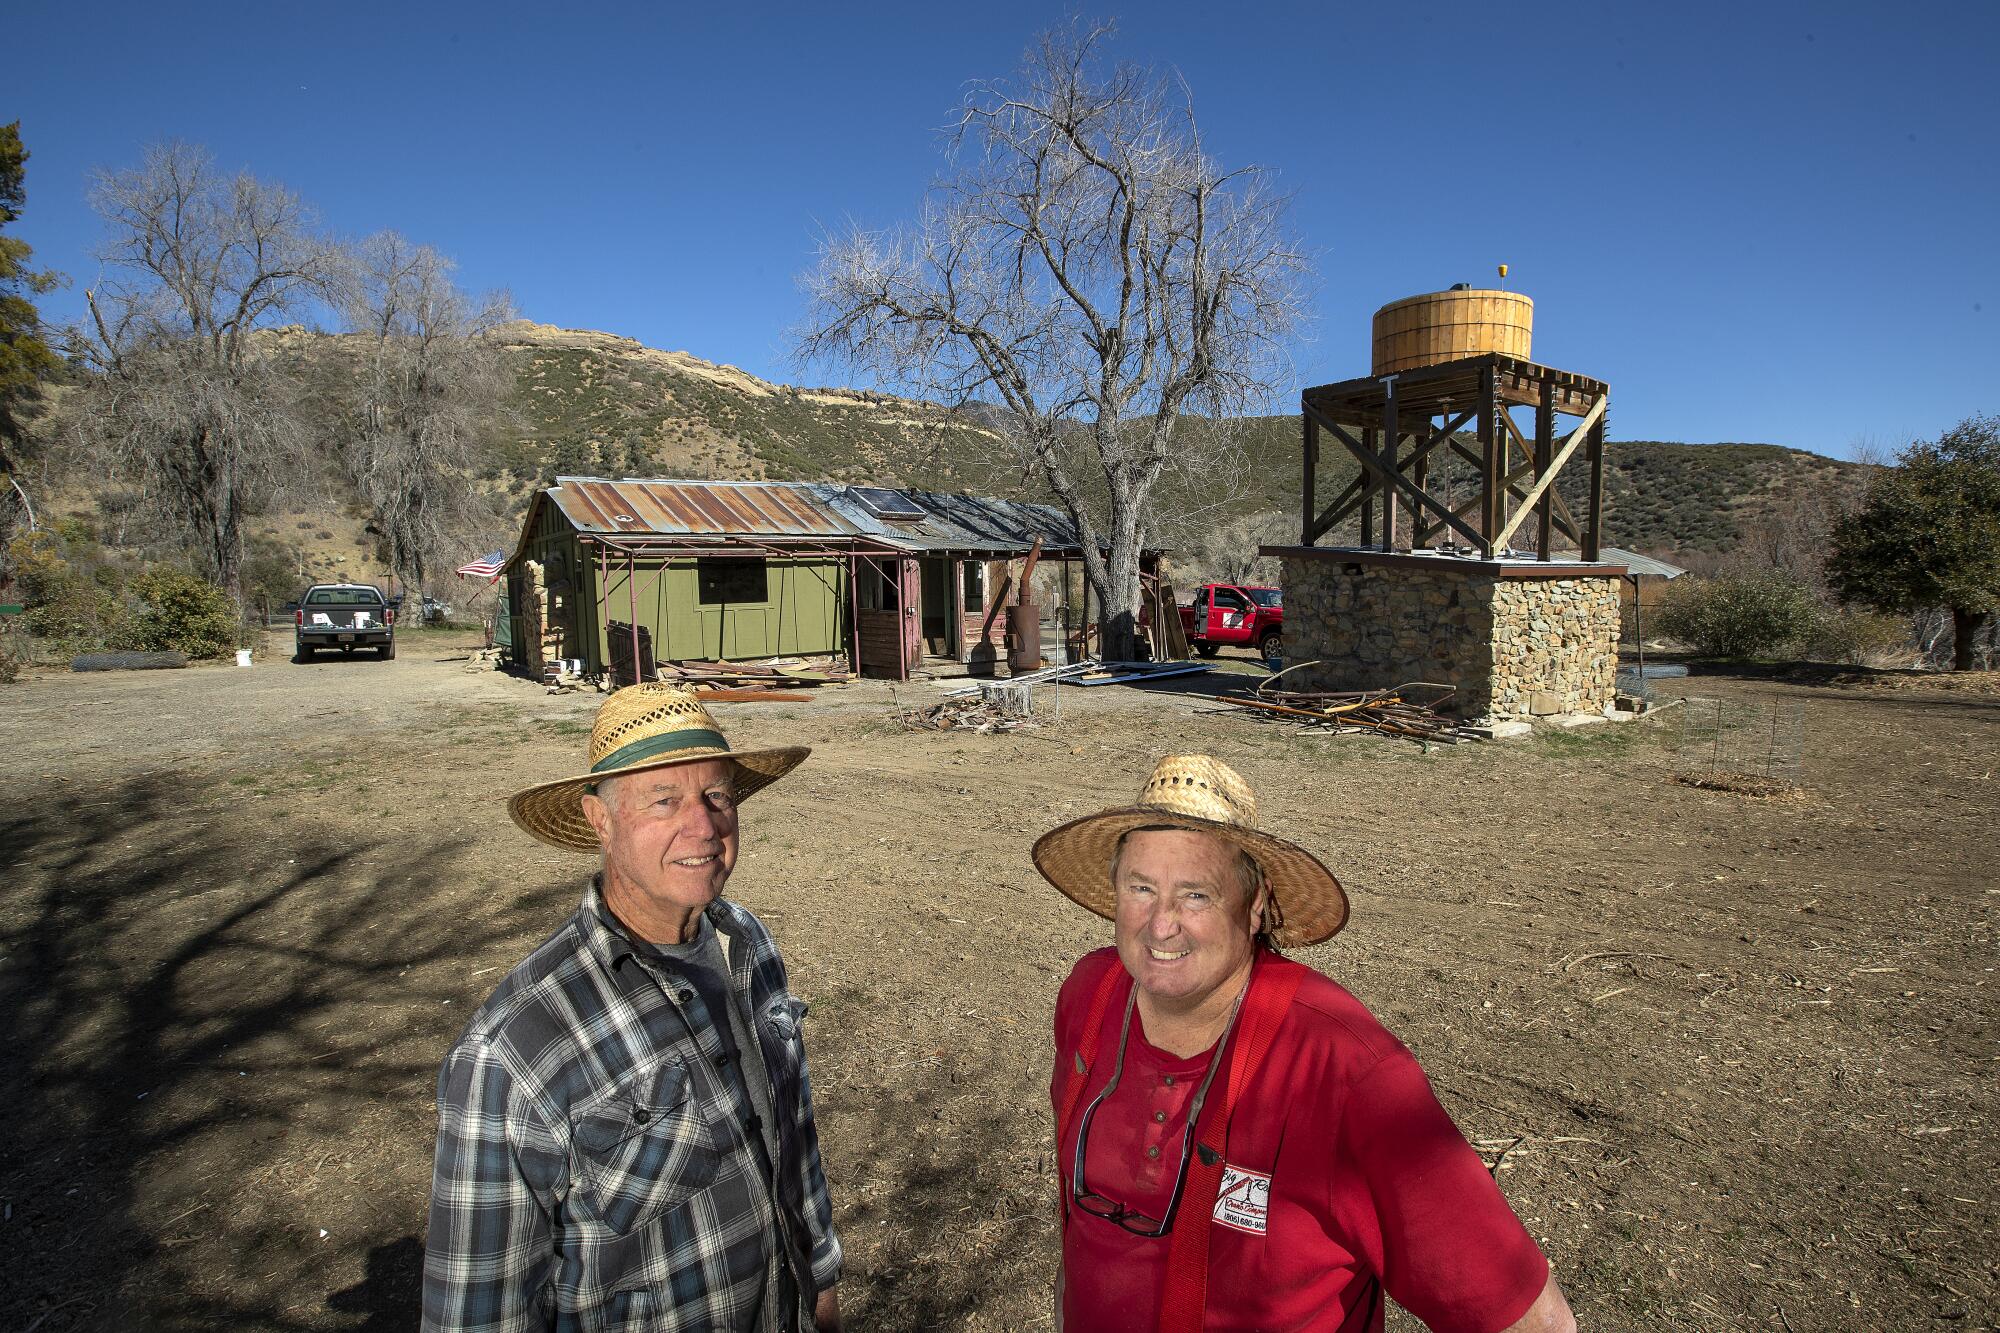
(597, 403)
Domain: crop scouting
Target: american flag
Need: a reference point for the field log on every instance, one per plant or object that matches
(485, 567)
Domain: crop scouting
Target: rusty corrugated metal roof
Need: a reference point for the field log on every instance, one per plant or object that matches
(798, 509)
(958, 522)
(726, 508)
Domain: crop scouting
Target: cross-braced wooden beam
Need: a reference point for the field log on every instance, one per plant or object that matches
(1368, 418)
(1386, 476)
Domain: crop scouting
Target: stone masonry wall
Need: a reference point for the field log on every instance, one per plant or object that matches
(1514, 647)
(1383, 627)
(1555, 645)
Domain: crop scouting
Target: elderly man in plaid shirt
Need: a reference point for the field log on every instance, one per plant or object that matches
(625, 1130)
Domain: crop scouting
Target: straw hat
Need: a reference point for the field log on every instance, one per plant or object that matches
(641, 727)
(1198, 792)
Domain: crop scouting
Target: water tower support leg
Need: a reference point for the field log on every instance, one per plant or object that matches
(1392, 439)
(1493, 463)
(1593, 531)
(1420, 466)
(1368, 501)
(1311, 430)
(1545, 448)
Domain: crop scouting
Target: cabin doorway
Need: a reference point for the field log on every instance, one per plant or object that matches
(934, 597)
(887, 593)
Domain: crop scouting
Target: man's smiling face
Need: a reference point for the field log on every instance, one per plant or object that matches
(669, 838)
(1186, 918)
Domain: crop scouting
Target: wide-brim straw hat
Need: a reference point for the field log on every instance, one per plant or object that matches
(1203, 794)
(642, 727)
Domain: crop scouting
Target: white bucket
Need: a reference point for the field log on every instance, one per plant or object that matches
(242, 657)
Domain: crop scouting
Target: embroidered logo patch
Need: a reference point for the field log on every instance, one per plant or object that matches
(1244, 1201)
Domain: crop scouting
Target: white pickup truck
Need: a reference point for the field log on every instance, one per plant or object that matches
(344, 616)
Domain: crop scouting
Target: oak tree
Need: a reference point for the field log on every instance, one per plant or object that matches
(1927, 536)
(26, 360)
(430, 385)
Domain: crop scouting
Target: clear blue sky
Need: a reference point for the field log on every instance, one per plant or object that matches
(1768, 222)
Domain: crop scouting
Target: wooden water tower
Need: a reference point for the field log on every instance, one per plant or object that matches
(1435, 591)
(1446, 362)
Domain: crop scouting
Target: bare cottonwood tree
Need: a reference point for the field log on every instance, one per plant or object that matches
(1086, 268)
(430, 385)
(190, 401)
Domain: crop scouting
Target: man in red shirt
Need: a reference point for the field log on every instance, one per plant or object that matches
(1242, 1144)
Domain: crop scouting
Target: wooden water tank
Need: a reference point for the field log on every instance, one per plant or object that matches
(1444, 326)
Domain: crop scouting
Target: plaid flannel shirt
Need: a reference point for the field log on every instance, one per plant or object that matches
(590, 1174)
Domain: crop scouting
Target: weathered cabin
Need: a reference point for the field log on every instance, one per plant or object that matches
(897, 580)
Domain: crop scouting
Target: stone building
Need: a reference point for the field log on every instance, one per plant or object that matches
(1517, 638)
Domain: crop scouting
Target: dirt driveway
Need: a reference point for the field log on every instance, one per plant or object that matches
(1735, 1058)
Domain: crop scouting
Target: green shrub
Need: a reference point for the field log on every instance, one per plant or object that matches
(65, 603)
(270, 572)
(1855, 636)
(183, 614)
(1738, 615)
(75, 530)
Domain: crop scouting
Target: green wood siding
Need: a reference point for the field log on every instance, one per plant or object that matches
(799, 613)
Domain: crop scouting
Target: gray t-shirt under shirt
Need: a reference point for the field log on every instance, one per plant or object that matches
(701, 961)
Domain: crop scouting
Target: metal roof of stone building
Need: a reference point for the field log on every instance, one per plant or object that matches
(1637, 564)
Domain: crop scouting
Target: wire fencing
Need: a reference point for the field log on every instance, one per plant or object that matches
(1730, 742)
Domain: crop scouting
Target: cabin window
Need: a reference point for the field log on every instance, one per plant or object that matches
(877, 584)
(973, 578)
(728, 582)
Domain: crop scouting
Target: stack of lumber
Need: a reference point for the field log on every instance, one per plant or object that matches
(1408, 710)
(754, 680)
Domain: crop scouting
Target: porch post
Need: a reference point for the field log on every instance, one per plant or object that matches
(604, 599)
(902, 631)
(854, 611)
(957, 575)
(632, 588)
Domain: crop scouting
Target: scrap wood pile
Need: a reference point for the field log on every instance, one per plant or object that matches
(984, 714)
(1409, 710)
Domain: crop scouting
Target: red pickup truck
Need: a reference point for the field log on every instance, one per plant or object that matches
(1239, 615)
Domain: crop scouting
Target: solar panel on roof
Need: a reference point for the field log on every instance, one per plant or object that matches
(884, 503)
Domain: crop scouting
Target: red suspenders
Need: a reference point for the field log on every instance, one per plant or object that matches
(1272, 987)
(1116, 978)
(1185, 1298)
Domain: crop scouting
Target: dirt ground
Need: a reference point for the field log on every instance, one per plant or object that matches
(1735, 1058)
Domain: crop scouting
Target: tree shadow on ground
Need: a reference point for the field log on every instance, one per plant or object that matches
(959, 1222)
(390, 1288)
(222, 1024)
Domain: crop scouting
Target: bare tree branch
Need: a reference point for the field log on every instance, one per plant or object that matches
(429, 386)
(1087, 270)
(191, 401)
